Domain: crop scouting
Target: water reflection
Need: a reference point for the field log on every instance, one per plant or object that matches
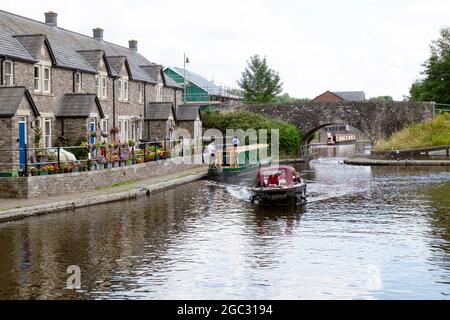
(366, 233)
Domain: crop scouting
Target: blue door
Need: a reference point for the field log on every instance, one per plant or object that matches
(22, 142)
(92, 131)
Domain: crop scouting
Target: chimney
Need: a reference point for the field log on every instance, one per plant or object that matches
(51, 18)
(98, 34)
(133, 45)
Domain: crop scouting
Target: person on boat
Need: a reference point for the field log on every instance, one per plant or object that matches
(211, 150)
(236, 142)
(296, 177)
(273, 180)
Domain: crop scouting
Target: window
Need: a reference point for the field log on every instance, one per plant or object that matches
(104, 88)
(141, 93)
(37, 78)
(97, 85)
(159, 93)
(125, 130)
(125, 90)
(104, 129)
(101, 84)
(47, 80)
(47, 132)
(120, 90)
(8, 73)
(77, 82)
(133, 131)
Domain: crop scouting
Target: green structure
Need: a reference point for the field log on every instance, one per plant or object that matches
(199, 90)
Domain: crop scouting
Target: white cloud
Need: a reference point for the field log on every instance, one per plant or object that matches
(376, 46)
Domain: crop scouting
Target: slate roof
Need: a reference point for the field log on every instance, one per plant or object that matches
(352, 95)
(187, 113)
(66, 46)
(155, 71)
(78, 106)
(10, 98)
(159, 110)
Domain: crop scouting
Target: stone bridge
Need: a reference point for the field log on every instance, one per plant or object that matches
(375, 119)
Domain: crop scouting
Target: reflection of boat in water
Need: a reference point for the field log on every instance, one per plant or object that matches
(277, 185)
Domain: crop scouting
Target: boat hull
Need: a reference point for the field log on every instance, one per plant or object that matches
(280, 196)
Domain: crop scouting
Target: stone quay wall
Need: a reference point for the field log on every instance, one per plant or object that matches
(60, 184)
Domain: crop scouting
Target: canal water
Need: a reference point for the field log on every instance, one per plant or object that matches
(366, 233)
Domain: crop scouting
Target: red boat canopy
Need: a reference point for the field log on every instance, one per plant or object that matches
(286, 175)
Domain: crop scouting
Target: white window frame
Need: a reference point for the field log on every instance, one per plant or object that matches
(141, 91)
(77, 82)
(47, 135)
(126, 89)
(120, 90)
(9, 75)
(46, 81)
(38, 78)
(159, 92)
(101, 85)
(104, 85)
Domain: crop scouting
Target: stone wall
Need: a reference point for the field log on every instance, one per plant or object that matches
(56, 185)
(155, 130)
(376, 119)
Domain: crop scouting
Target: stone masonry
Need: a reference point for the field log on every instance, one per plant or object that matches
(375, 119)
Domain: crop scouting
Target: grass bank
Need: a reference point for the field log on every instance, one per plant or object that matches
(432, 133)
(290, 135)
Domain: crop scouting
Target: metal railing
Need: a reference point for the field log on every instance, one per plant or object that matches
(26, 161)
(442, 108)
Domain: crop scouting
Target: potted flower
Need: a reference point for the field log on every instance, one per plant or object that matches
(43, 171)
(63, 167)
(92, 165)
(52, 169)
(115, 160)
(34, 171)
(75, 167)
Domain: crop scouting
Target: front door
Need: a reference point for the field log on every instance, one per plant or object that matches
(22, 141)
(92, 140)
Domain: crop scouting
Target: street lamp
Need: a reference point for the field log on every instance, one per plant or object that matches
(185, 61)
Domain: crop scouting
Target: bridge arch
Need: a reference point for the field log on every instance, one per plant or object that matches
(375, 119)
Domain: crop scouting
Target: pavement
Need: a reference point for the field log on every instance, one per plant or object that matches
(14, 209)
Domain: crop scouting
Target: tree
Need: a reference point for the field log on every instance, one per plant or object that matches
(436, 84)
(381, 99)
(286, 98)
(259, 83)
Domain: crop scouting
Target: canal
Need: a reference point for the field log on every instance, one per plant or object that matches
(366, 233)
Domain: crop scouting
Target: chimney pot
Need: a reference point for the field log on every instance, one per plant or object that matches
(133, 45)
(51, 18)
(98, 34)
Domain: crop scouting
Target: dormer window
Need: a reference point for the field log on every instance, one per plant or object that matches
(141, 93)
(123, 89)
(42, 78)
(101, 84)
(77, 82)
(8, 73)
(159, 93)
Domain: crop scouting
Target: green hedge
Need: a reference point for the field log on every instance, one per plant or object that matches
(290, 135)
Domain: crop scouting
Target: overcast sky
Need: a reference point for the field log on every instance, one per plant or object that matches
(316, 45)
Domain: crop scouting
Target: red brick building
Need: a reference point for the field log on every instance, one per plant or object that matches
(329, 96)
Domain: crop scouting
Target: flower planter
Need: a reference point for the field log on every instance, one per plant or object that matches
(43, 173)
(116, 165)
(93, 168)
(75, 170)
(53, 172)
(61, 171)
(122, 163)
(130, 163)
(9, 174)
(109, 165)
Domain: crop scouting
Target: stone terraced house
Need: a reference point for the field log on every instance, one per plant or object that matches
(71, 85)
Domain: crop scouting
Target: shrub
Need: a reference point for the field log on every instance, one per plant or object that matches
(290, 135)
